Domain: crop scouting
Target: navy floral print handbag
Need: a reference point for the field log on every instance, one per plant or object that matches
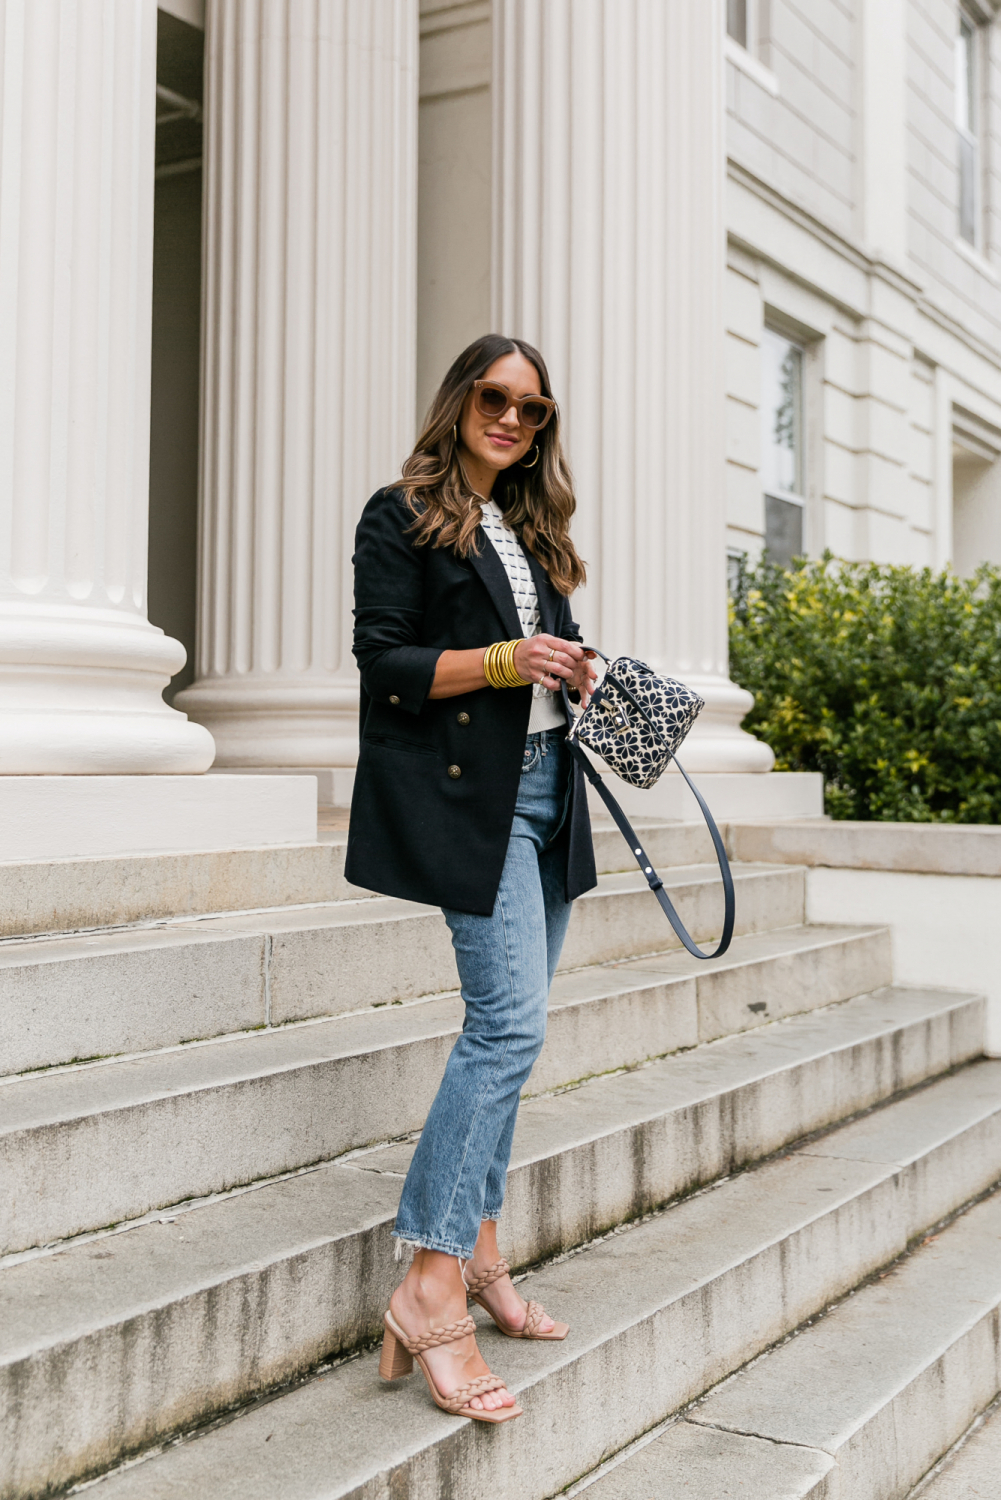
(635, 722)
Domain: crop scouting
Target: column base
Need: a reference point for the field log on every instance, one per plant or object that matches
(74, 817)
(716, 743)
(81, 695)
(262, 725)
(96, 744)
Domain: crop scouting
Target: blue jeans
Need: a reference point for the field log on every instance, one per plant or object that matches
(506, 963)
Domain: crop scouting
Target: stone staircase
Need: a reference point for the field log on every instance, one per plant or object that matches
(207, 1111)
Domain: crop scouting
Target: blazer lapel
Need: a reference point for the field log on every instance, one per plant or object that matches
(547, 595)
(492, 575)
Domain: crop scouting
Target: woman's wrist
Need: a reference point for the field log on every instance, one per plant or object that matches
(499, 665)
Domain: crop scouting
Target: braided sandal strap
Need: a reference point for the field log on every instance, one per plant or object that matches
(478, 1387)
(438, 1336)
(533, 1318)
(487, 1278)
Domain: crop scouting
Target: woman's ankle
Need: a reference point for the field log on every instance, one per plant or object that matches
(485, 1253)
(432, 1282)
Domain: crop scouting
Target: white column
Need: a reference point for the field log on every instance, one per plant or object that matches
(882, 129)
(81, 668)
(610, 253)
(309, 361)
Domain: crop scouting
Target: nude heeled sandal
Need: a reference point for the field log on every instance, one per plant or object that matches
(397, 1359)
(533, 1317)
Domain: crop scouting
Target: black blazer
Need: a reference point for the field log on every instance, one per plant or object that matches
(416, 830)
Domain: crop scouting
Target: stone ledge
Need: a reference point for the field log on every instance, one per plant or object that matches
(772, 794)
(60, 896)
(122, 890)
(776, 794)
(68, 817)
(334, 784)
(920, 848)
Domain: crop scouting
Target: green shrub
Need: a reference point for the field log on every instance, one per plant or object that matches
(886, 679)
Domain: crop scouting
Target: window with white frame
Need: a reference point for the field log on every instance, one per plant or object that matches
(747, 44)
(742, 23)
(736, 21)
(968, 125)
(782, 458)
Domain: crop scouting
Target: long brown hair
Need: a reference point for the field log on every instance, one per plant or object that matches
(537, 501)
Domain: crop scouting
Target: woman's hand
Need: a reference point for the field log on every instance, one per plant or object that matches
(584, 678)
(547, 659)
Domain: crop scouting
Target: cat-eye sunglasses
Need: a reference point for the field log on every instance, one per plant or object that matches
(492, 400)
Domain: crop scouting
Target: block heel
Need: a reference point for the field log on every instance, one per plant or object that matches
(395, 1361)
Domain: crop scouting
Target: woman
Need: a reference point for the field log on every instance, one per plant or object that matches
(466, 797)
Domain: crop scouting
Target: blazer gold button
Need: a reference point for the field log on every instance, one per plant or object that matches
(455, 772)
(462, 718)
(394, 700)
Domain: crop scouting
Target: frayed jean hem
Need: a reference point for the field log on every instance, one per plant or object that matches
(406, 1242)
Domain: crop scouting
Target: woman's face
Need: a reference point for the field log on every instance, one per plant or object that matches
(499, 442)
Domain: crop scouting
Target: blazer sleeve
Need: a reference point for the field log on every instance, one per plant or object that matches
(566, 628)
(389, 606)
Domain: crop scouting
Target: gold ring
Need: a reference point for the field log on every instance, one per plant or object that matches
(551, 654)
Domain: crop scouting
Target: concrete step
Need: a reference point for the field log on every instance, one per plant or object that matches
(698, 1463)
(109, 891)
(170, 1320)
(973, 1470)
(112, 993)
(659, 1313)
(766, 976)
(917, 848)
(864, 1401)
(668, 844)
(91, 1146)
(123, 890)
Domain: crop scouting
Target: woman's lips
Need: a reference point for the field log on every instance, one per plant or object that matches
(502, 440)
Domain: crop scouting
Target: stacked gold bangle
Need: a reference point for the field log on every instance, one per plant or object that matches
(499, 668)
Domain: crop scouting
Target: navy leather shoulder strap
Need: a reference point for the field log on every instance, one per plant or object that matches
(653, 880)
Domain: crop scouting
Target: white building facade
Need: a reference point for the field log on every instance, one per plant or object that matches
(863, 274)
(757, 242)
(863, 302)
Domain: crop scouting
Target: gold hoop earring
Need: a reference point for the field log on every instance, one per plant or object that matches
(535, 460)
(455, 434)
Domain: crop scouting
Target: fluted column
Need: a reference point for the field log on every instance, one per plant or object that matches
(81, 668)
(610, 255)
(308, 369)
